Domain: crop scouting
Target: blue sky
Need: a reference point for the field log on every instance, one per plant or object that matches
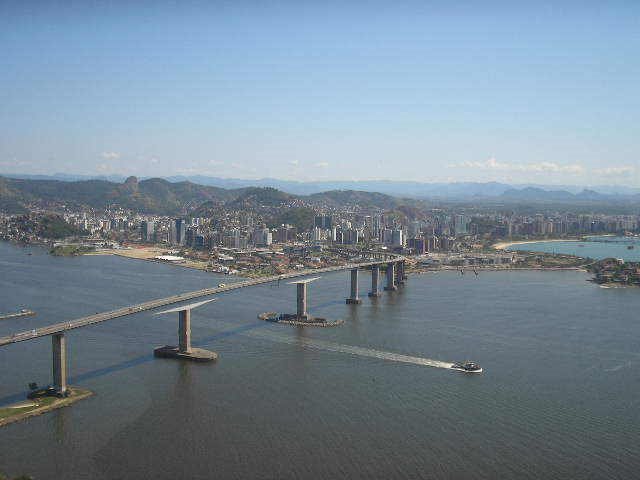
(428, 91)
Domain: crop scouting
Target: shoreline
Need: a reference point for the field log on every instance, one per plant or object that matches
(194, 266)
(505, 245)
(76, 394)
(498, 269)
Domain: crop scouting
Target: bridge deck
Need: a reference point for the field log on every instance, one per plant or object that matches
(161, 302)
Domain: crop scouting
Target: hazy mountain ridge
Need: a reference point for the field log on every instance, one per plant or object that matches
(437, 190)
(160, 196)
(151, 196)
(338, 198)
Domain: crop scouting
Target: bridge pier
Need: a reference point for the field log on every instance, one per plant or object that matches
(301, 300)
(59, 350)
(375, 274)
(400, 273)
(391, 277)
(184, 350)
(184, 331)
(301, 317)
(354, 299)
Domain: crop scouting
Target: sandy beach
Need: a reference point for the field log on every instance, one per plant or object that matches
(505, 245)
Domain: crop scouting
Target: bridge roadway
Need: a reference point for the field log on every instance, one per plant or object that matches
(161, 302)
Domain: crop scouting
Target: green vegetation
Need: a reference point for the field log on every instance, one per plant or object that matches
(547, 260)
(70, 250)
(20, 477)
(54, 226)
(159, 196)
(302, 218)
(340, 198)
(41, 402)
(256, 197)
(50, 226)
(614, 271)
(154, 195)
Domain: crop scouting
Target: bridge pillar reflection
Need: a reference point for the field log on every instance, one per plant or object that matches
(375, 275)
(59, 350)
(391, 277)
(354, 299)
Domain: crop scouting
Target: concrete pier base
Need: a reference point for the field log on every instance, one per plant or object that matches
(184, 350)
(354, 299)
(37, 406)
(195, 354)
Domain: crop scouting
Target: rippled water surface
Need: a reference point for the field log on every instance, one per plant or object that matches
(558, 397)
(596, 247)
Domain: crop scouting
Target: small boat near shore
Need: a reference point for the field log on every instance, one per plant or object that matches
(25, 312)
(467, 367)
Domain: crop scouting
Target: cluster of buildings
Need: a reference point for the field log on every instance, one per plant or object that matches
(617, 271)
(569, 224)
(452, 230)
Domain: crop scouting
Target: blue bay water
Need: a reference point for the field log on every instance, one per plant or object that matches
(558, 398)
(596, 247)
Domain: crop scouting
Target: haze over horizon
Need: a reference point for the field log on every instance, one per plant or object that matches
(418, 91)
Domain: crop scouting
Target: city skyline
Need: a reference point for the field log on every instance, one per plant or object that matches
(426, 92)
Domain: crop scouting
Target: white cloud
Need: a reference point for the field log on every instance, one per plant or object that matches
(295, 163)
(153, 160)
(243, 168)
(615, 171)
(541, 167)
(14, 162)
(321, 165)
(110, 155)
(216, 163)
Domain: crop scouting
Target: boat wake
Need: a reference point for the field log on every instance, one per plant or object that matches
(618, 367)
(350, 349)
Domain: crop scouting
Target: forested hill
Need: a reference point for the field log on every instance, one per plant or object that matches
(152, 196)
(159, 196)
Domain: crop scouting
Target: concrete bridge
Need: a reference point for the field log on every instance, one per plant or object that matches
(395, 276)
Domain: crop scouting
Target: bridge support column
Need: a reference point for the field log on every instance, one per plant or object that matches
(184, 331)
(301, 300)
(391, 277)
(184, 350)
(400, 273)
(375, 274)
(59, 349)
(354, 299)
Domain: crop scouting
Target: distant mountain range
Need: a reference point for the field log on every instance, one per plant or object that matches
(443, 191)
(159, 196)
(162, 196)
